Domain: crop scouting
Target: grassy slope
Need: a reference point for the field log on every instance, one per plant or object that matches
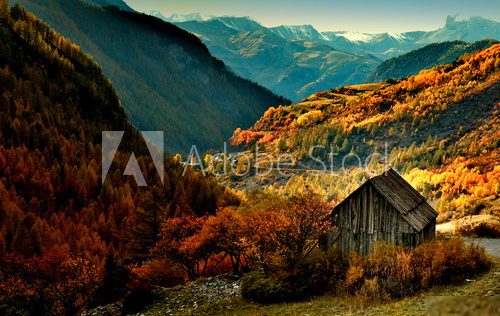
(474, 296)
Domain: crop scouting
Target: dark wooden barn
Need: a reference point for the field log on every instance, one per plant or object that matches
(385, 207)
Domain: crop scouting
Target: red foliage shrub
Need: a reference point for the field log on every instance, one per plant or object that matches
(160, 272)
(269, 137)
(178, 243)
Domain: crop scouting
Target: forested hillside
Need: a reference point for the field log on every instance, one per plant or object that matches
(441, 128)
(165, 77)
(58, 224)
(427, 57)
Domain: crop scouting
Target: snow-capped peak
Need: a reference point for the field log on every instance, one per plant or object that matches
(359, 37)
(304, 32)
(179, 17)
(355, 37)
(189, 17)
(397, 36)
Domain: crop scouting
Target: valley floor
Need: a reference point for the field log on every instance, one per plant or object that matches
(480, 296)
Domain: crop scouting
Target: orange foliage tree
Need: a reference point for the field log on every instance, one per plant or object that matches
(224, 233)
(285, 234)
(178, 242)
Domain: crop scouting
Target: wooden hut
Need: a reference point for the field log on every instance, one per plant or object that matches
(385, 207)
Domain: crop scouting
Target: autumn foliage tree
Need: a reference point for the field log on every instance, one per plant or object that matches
(4, 9)
(287, 232)
(224, 233)
(178, 243)
(275, 234)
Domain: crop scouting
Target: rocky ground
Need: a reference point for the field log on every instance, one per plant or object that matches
(190, 298)
(106, 310)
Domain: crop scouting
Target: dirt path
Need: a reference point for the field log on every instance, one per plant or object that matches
(451, 226)
(491, 245)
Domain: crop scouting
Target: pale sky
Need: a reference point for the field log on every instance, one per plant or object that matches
(374, 16)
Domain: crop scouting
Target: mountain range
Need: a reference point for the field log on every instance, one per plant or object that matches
(165, 77)
(174, 18)
(295, 61)
(293, 68)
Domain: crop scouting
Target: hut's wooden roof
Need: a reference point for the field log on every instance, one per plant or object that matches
(404, 198)
(411, 204)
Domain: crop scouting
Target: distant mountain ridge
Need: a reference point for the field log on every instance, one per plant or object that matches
(299, 32)
(298, 60)
(179, 17)
(469, 30)
(472, 29)
(295, 68)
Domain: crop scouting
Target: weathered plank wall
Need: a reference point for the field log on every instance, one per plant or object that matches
(367, 217)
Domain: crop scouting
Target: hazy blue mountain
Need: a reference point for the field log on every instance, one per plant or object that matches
(243, 24)
(299, 32)
(296, 61)
(387, 45)
(469, 30)
(383, 45)
(277, 59)
(427, 57)
(179, 17)
(157, 14)
(165, 77)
